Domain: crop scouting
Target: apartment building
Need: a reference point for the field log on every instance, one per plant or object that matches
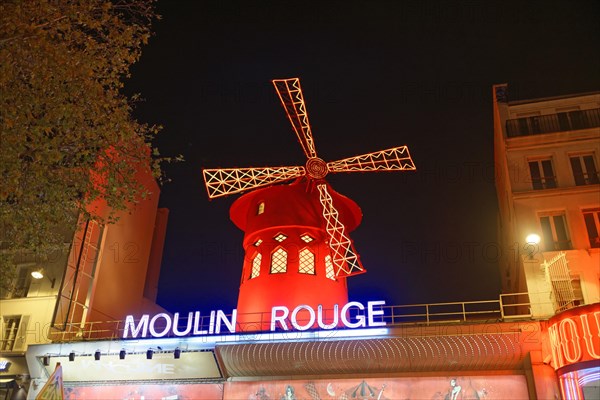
(548, 186)
(102, 274)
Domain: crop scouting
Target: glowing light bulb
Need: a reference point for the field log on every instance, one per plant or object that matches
(37, 274)
(533, 238)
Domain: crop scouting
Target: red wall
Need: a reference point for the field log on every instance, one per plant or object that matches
(293, 210)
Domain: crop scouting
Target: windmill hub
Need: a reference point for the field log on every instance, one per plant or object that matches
(316, 168)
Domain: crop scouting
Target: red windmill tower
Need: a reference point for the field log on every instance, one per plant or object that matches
(296, 243)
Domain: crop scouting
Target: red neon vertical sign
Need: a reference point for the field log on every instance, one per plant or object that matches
(575, 335)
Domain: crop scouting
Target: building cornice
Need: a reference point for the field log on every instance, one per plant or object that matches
(553, 98)
(545, 140)
(561, 191)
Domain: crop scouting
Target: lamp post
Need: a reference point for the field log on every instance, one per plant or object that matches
(39, 274)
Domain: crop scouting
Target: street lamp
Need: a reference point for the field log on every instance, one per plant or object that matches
(39, 274)
(533, 238)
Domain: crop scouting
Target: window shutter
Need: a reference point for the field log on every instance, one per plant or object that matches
(21, 337)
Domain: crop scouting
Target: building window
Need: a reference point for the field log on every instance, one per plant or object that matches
(329, 273)
(307, 262)
(11, 327)
(279, 261)
(19, 288)
(592, 224)
(564, 121)
(584, 170)
(554, 232)
(306, 238)
(542, 174)
(572, 120)
(531, 125)
(257, 243)
(577, 291)
(256, 266)
(261, 208)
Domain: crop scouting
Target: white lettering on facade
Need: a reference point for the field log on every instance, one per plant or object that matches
(302, 318)
(197, 320)
(211, 325)
(166, 327)
(176, 325)
(222, 318)
(360, 319)
(135, 331)
(131, 367)
(307, 324)
(279, 318)
(371, 313)
(320, 318)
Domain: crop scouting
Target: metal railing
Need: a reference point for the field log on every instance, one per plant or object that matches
(443, 312)
(561, 122)
(508, 306)
(515, 306)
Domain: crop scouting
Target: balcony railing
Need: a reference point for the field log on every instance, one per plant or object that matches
(508, 306)
(561, 122)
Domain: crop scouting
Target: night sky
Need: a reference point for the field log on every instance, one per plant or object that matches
(374, 75)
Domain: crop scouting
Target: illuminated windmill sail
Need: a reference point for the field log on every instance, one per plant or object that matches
(222, 182)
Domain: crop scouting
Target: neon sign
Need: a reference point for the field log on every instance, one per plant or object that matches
(575, 336)
(163, 324)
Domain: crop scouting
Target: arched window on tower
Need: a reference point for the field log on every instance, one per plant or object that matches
(261, 208)
(256, 266)
(329, 273)
(307, 262)
(279, 261)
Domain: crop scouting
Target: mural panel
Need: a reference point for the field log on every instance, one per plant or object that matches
(499, 387)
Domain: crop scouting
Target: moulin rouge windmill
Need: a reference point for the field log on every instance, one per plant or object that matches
(296, 236)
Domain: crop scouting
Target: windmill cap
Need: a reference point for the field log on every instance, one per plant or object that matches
(290, 204)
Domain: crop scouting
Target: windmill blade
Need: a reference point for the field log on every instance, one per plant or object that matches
(221, 182)
(394, 159)
(290, 94)
(344, 256)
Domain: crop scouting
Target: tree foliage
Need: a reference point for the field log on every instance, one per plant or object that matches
(63, 115)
